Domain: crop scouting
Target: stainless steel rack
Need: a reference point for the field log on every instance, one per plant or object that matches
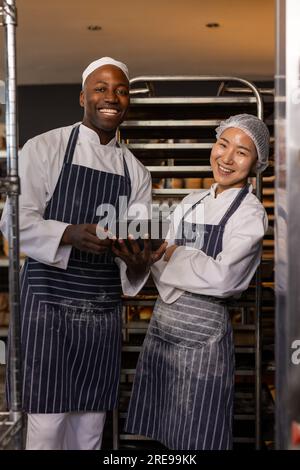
(157, 131)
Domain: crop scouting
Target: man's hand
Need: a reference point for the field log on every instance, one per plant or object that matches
(138, 261)
(84, 238)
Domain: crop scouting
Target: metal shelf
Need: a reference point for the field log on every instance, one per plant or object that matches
(243, 327)
(137, 437)
(131, 348)
(244, 417)
(171, 123)
(169, 146)
(170, 171)
(3, 332)
(4, 262)
(134, 437)
(127, 371)
(244, 440)
(236, 417)
(145, 303)
(3, 154)
(244, 350)
(211, 100)
(175, 192)
(245, 372)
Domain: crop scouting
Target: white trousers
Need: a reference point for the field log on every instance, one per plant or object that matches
(65, 431)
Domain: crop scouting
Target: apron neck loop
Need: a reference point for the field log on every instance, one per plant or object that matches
(71, 145)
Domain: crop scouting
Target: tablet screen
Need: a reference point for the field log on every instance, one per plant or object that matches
(156, 229)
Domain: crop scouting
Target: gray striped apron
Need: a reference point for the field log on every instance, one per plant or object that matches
(183, 388)
(71, 319)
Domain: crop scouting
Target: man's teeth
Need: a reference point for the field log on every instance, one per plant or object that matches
(108, 111)
(226, 170)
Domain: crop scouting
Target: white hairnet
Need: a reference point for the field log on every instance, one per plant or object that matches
(256, 130)
(99, 63)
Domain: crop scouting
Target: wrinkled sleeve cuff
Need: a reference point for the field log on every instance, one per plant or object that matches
(130, 288)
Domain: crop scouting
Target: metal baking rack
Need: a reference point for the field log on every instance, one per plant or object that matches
(172, 136)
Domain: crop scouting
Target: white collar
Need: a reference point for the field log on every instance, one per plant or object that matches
(93, 137)
(214, 188)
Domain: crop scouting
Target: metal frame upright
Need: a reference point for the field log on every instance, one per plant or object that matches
(12, 422)
(146, 85)
(287, 259)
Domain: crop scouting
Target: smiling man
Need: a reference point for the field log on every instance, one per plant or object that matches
(105, 98)
(71, 282)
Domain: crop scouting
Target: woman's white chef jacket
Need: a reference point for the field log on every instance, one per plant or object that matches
(231, 272)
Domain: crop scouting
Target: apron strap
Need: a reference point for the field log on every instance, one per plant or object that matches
(70, 152)
(71, 145)
(234, 205)
(232, 208)
(195, 205)
(180, 241)
(126, 171)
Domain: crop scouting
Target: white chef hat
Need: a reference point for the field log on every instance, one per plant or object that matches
(256, 129)
(99, 63)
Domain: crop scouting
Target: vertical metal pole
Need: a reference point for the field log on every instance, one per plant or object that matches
(281, 342)
(115, 416)
(288, 225)
(258, 301)
(9, 21)
(258, 360)
(258, 324)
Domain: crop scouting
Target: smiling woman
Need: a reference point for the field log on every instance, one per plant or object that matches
(232, 159)
(183, 388)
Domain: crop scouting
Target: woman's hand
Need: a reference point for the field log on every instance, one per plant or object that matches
(138, 261)
(169, 252)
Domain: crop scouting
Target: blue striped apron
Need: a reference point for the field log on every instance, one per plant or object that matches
(71, 319)
(183, 388)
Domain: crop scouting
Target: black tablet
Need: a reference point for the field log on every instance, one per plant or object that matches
(155, 229)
